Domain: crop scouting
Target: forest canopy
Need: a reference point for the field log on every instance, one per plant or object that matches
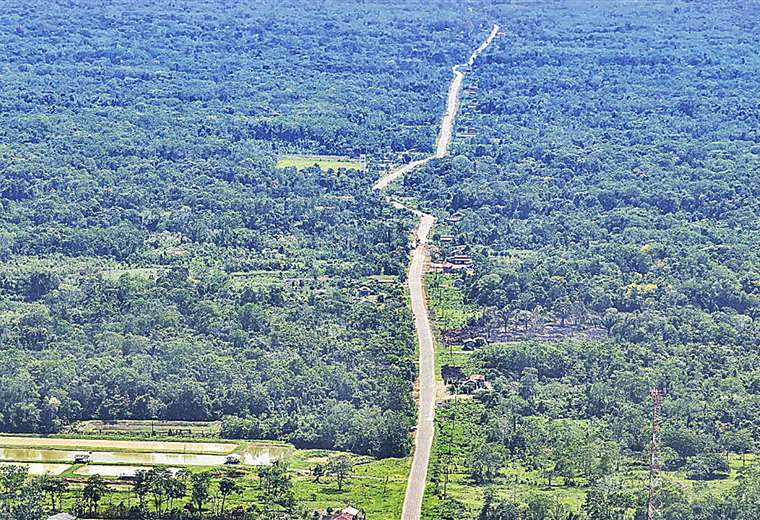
(153, 261)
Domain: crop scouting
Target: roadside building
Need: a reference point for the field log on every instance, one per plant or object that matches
(456, 217)
(347, 513)
(474, 343)
(438, 267)
(460, 260)
(62, 516)
(474, 383)
(453, 268)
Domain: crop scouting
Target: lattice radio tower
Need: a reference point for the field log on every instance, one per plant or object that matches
(658, 394)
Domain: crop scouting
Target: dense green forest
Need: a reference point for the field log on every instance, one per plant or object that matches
(605, 178)
(607, 175)
(153, 261)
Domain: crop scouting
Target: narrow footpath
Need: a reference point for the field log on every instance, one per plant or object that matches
(415, 489)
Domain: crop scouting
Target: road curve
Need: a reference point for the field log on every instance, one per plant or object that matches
(423, 441)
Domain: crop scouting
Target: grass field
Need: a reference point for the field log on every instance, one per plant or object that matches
(447, 302)
(324, 162)
(376, 486)
(149, 428)
(517, 482)
(449, 312)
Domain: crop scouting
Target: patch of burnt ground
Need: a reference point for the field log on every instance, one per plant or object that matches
(478, 334)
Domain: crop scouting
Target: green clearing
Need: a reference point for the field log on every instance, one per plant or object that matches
(324, 162)
(449, 312)
(376, 485)
(517, 482)
(446, 300)
(146, 273)
(148, 428)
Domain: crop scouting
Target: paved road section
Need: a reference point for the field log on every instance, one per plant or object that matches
(423, 442)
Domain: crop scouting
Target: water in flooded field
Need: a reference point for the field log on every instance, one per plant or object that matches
(252, 456)
(257, 455)
(34, 455)
(161, 446)
(112, 457)
(161, 459)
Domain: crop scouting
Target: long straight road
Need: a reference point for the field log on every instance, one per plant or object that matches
(423, 442)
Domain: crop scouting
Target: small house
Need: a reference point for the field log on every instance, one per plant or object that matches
(473, 343)
(453, 268)
(469, 344)
(438, 267)
(447, 238)
(348, 513)
(456, 217)
(62, 516)
(474, 383)
(463, 260)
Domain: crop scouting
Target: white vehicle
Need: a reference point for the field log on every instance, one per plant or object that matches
(233, 459)
(82, 458)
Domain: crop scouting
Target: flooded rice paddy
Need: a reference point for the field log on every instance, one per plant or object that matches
(50, 455)
(161, 446)
(112, 457)
(263, 455)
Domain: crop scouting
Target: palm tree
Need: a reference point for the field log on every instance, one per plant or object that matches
(176, 488)
(141, 486)
(227, 486)
(93, 491)
(55, 487)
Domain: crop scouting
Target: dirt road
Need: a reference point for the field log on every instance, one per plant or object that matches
(397, 172)
(415, 489)
(452, 103)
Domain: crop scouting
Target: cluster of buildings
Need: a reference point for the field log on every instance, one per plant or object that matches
(347, 513)
(473, 384)
(452, 264)
(457, 260)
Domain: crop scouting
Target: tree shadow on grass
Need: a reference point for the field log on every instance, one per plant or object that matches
(332, 491)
